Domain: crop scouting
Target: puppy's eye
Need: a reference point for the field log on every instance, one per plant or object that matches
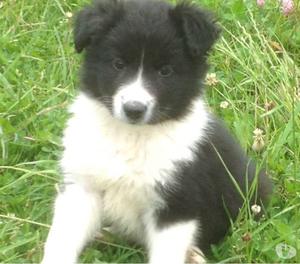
(119, 64)
(166, 71)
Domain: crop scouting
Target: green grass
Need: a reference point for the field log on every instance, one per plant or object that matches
(38, 79)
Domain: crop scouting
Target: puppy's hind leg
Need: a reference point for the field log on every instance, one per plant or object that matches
(195, 256)
(76, 219)
(171, 244)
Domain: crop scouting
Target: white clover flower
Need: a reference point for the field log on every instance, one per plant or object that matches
(256, 209)
(258, 132)
(224, 104)
(68, 14)
(211, 79)
(259, 142)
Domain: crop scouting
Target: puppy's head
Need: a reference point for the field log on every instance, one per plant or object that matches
(144, 60)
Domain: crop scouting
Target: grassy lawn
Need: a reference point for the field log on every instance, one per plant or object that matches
(256, 85)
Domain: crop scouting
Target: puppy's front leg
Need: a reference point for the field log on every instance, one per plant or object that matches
(171, 244)
(76, 218)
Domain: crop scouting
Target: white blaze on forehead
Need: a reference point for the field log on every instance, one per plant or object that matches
(135, 91)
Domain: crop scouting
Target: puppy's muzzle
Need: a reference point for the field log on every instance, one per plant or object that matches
(134, 110)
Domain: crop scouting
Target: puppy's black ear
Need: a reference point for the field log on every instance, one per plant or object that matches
(95, 20)
(197, 26)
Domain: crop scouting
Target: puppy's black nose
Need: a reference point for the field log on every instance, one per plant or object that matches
(134, 110)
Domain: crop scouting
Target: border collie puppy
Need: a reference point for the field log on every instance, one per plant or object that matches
(142, 153)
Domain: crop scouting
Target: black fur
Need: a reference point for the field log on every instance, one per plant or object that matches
(206, 191)
(197, 26)
(95, 21)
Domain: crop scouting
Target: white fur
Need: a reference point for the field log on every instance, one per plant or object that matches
(76, 218)
(122, 163)
(171, 244)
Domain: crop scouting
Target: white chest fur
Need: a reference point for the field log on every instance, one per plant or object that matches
(126, 161)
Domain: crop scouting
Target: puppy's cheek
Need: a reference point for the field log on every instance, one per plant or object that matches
(153, 114)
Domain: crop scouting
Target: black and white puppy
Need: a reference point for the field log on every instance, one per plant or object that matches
(142, 153)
